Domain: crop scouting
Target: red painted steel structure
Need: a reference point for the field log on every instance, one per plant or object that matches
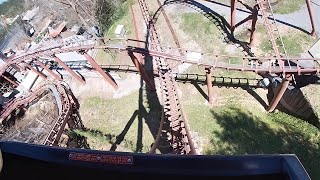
(75, 75)
(277, 96)
(103, 73)
(253, 25)
(36, 71)
(176, 136)
(137, 59)
(11, 81)
(215, 63)
(209, 85)
(156, 52)
(175, 38)
(48, 70)
(310, 11)
(142, 72)
(282, 69)
(233, 14)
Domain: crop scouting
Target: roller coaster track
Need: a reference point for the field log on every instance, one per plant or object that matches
(68, 107)
(272, 29)
(174, 136)
(215, 61)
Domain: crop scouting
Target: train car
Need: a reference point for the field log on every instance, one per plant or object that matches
(43, 162)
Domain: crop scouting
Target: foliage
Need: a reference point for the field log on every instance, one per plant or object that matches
(12, 8)
(108, 11)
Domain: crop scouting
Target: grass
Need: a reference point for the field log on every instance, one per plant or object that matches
(311, 93)
(202, 30)
(294, 42)
(11, 8)
(218, 72)
(122, 123)
(287, 6)
(237, 126)
(123, 18)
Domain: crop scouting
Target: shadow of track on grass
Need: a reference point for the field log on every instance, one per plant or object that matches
(77, 141)
(244, 133)
(122, 135)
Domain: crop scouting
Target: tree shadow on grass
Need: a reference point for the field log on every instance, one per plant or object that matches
(77, 141)
(244, 133)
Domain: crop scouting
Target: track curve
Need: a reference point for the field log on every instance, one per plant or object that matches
(67, 106)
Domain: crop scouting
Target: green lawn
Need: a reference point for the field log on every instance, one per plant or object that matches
(121, 122)
(237, 126)
(286, 6)
(203, 31)
(194, 69)
(123, 17)
(295, 42)
(105, 57)
(12, 8)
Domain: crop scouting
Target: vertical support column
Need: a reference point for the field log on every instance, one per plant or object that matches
(19, 67)
(9, 80)
(233, 15)
(277, 96)
(48, 70)
(34, 70)
(61, 63)
(104, 74)
(254, 23)
(313, 31)
(142, 71)
(209, 85)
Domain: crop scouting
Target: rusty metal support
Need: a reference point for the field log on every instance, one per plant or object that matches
(10, 80)
(277, 96)
(209, 85)
(63, 125)
(243, 21)
(142, 72)
(48, 70)
(36, 71)
(104, 74)
(19, 67)
(233, 15)
(313, 31)
(75, 75)
(254, 23)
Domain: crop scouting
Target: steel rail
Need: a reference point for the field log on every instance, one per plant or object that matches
(183, 59)
(173, 133)
(66, 109)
